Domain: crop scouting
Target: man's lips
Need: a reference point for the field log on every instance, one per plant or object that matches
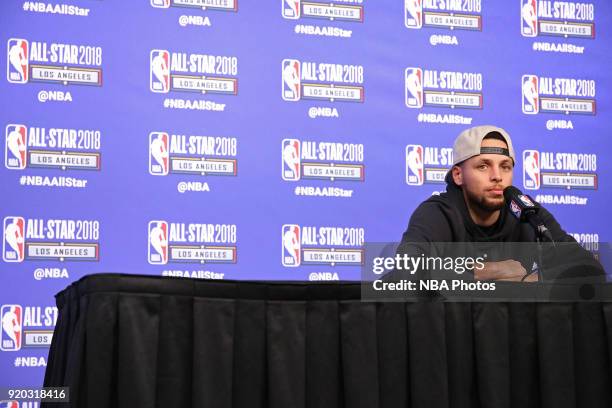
(496, 190)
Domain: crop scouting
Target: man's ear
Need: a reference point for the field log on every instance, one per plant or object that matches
(457, 175)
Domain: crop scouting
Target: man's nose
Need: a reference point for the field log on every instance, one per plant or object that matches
(495, 174)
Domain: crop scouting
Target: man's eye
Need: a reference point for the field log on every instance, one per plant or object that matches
(482, 166)
(507, 168)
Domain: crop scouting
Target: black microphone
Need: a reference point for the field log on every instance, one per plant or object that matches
(525, 209)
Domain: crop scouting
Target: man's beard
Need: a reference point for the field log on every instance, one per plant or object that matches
(483, 203)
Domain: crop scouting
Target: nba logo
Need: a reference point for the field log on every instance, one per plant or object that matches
(414, 165)
(160, 71)
(291, 80)
(13, 248)
(516, 210)
(531, 169)
(413, 13)
(526, 200)
(17, 62)
(291, 9)
(15, 152)
(531, 98)
(291, 160)
(158, 242)
(160, 3)
(159, 157)
(414, 87)
(10, 334)
(529, 18)
(291, 245)
(9, 404)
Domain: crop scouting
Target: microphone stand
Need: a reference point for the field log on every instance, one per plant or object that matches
(542, 235)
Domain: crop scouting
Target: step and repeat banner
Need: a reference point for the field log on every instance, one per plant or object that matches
(235, 139)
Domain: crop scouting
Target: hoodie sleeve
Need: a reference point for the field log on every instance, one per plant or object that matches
(568, 261)
(428, 223)
(558, 234)
(428, 228)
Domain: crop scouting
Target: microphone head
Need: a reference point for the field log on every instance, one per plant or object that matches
(518, 203)
(511, 191)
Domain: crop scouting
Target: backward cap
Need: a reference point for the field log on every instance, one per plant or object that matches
(468, 142)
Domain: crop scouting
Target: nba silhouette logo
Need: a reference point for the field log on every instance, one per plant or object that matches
(526, 200)
(158, 242)
(414, 87)
(529, 18)
(291, 9)
(9, 404)
(291, 160)
(11, 330)
(160, 71)
(291, 245)
(15, 152)
(160, 3)
(516, 210)
(159, 156)
(531, 98)
(13, 248)
(413, 13)
(17, 61)
(414, 165)
(291, 80)
(531, 169)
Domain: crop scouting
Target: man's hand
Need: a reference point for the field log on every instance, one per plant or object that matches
(534, 277)
(508, 270)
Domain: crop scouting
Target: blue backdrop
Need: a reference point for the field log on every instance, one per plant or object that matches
(270, 139)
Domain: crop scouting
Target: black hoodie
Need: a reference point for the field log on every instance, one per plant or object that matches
(445, 218)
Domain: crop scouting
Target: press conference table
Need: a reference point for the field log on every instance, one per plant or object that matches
(146, 341)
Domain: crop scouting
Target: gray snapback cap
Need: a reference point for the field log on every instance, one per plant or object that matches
(468, 143)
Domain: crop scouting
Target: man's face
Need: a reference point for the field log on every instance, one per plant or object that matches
(484, 177)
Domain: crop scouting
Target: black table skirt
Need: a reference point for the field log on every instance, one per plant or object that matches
(142, 341)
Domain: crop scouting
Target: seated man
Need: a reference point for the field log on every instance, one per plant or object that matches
(473, 210)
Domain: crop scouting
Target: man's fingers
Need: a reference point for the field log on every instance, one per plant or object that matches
(511, 269)
(514, 279)
(502, 270)
(484, 274)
